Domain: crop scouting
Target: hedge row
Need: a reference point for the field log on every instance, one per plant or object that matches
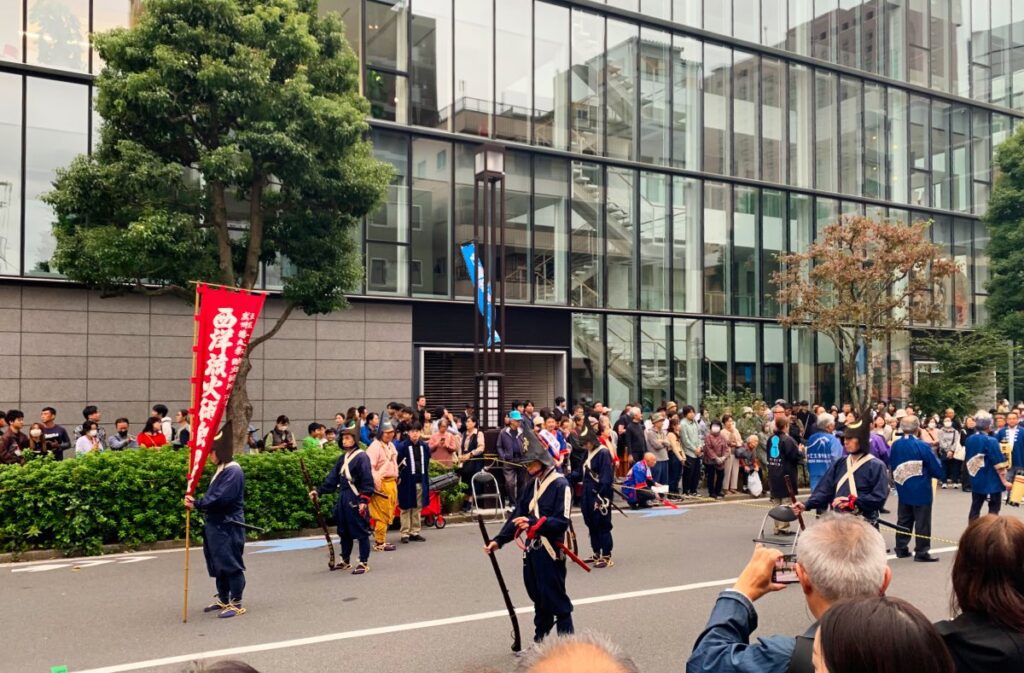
(134, 498)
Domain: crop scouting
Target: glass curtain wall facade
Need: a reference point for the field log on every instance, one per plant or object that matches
(660, 155)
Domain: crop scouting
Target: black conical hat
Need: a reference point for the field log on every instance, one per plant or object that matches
(534, 449)
(860, 431)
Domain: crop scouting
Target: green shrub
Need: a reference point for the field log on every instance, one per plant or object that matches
(135, 497)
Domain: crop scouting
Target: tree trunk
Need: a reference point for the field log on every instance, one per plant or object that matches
(240, 407)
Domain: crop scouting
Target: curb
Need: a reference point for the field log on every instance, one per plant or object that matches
(53, 554)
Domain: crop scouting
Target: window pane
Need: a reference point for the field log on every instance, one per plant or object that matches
(620, 88)
(386, 269)
(431, 216)
(686, 252)
(801, 222)
(551, 52)
(746, 81)
(386, 37)
(773, 349)
(801, 16)
(348, 10)
(747, 20)
(940, 34)
(586, 243)
(874, 141)
(621, 360)
(654, 263)
(800, 128)
(942, 236)
(718, 64)
(512, 71)
(825, 372)
(655, 117)
(686, 359)
(718, 16)
(744, 251)
(550, 241)
(10, 175)
(823, 40)
(661, 9)
(848, 38)
(825, 122)
(631, 5)
(896, 38)
(826, 213)
(587, 357)
(744, 367)
(473, 67)
(773, 238)
(940, 154)
(961, 70)
(587, 130)
(106, 16)
(431, 67)
(56, 117)
(899, 181)
(717, 204)
(801, 352)
(686, 104)
(852, 142)
(981, 262)
(919, 159)
(58, 34)
(389, 221)
(655, 338)
(688, 12)
(999, 53)
(464, 162)
(773, 121)
(716, 356)
(962, 292)
(773, 24)
(1017, 55)
(959, 150)
(10, 32)
(387, 95)
(621, 225)
(516, 269)
(872, 38)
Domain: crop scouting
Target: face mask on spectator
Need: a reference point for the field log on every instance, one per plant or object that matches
(37, 433)
(94, 432)
(282, 428)
(931, 425)
(947, 423)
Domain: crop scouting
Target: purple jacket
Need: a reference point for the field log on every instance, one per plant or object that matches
(879, 449)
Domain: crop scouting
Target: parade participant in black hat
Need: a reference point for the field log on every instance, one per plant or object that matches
(352, 477)
(224, 532)
(858, 482)
(597, 475)
(541, 519)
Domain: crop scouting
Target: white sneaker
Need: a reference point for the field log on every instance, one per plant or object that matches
(944, 486)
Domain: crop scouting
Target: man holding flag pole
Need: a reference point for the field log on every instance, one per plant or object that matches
(225, 321)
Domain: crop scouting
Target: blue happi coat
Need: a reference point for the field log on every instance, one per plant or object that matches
(223, 504)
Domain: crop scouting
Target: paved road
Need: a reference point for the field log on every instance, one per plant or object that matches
(431, 607)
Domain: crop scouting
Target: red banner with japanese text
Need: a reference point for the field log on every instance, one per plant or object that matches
(225, 322)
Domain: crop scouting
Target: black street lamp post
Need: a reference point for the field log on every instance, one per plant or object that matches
(489, 277)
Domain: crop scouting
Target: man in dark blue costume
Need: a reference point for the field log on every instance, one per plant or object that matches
(597, 475)
(224, 533)
(413, 482)
(858, 482)
(542, 517)
(352, 477)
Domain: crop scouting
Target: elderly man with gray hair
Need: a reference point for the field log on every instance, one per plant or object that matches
(586, 652)
(839, 558)
(914, 465)
(987, 467)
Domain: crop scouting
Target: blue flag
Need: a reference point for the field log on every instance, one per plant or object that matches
(484, 297)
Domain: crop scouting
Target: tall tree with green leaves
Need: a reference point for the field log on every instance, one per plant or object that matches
(859, 283)
(967, 364)
(1005, 222)
(213, 107)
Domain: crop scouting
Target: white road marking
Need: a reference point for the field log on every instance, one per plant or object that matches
(78, 565)
(411, 626)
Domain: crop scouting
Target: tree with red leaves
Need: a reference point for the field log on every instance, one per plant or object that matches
(860, 282)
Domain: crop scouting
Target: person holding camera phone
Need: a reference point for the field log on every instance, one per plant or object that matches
(838, 558)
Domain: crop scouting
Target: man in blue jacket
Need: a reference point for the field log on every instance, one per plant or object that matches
(986, 466)
(823, 448)
(840, 557)
(914, 465)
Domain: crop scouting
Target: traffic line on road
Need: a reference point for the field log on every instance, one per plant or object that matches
(411, 626)
(44, 567)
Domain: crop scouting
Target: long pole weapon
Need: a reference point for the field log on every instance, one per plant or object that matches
(188, 512)
(516, 640)
(331, 563)
(792, 498)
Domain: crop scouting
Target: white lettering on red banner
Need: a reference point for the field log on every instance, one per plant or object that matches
(226, 319)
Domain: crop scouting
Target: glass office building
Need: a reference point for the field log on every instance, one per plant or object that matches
(659, 155)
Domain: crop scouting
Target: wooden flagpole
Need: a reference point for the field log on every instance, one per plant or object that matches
(192, 408)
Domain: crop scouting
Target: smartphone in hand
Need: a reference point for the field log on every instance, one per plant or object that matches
(785, 570)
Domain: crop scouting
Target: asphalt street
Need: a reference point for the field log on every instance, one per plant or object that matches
(429, 607)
